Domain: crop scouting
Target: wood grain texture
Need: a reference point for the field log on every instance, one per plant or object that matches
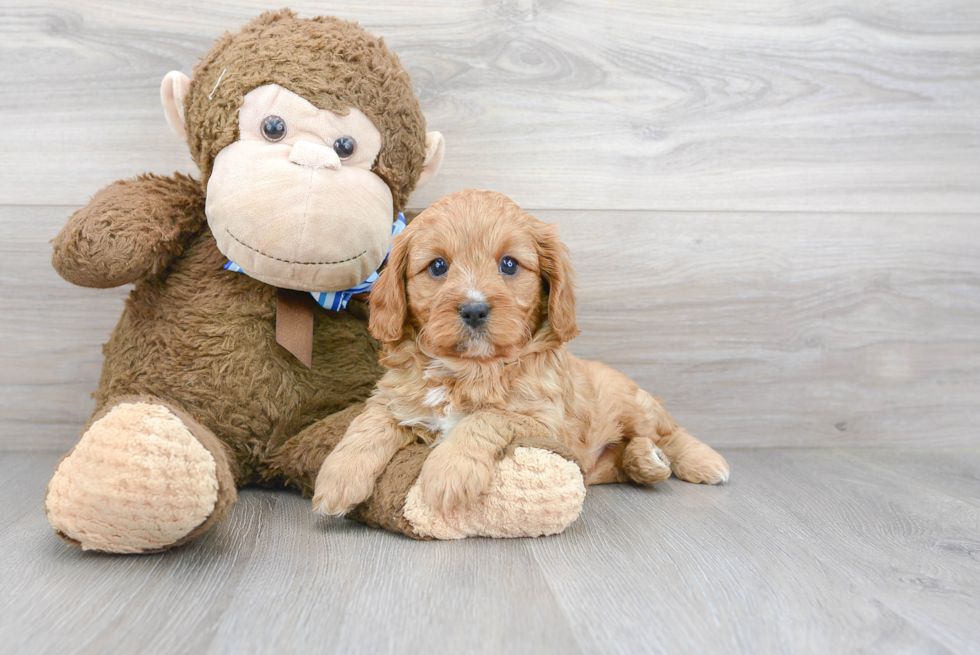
(52, 334)
(55, 598)
(919, 549)
(687, 568)
(756, 329)
(386, 593)
(834, 106)
(805, 550)
(789, 329)
(960, 476)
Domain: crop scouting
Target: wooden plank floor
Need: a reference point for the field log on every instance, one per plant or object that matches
(804, 551)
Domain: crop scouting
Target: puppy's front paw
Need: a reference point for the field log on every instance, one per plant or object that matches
(340, 487)
(449, 480)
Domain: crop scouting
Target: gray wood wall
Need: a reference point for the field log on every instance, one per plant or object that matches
(773, 207)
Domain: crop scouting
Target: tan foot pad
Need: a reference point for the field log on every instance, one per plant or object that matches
(137, 481)
(534, 493)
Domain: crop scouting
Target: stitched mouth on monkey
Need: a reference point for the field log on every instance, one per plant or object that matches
(294, 201)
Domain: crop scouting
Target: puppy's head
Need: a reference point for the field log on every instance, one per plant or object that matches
(474, 276)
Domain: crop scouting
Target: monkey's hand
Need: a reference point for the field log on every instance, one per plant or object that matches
(130, 230)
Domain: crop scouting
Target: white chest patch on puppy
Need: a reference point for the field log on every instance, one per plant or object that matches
(440, 419)
(436, 396)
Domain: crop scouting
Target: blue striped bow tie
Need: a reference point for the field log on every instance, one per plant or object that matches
(337, 300)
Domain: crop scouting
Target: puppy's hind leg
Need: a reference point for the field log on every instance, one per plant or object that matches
(690, 459)
(625, 437)
(645, 463)
(636, 458)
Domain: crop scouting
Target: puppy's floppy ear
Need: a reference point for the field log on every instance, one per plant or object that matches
(389, 305)
(556, 269)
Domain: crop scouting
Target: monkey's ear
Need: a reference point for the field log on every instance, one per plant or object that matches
(435, 149)
(173, 91)
(389, 304)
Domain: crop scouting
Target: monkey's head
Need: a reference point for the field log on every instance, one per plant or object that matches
(309, 138)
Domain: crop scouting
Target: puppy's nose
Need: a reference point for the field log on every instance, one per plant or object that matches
(474, 314)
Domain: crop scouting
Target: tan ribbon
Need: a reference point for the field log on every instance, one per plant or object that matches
(294, 324)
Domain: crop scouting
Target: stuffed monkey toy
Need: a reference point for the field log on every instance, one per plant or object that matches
(243, 351)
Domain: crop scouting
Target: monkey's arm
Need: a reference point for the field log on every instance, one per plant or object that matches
(461, 467)
(130, 230)
(538, 486)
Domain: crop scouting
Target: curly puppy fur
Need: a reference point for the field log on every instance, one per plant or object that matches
(472, 388)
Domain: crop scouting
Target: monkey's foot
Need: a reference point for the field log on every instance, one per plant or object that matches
(534, 493)
(138, 481)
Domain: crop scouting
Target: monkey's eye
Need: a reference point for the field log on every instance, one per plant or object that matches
(508, 266)
(345, 147)
(273, 128)
(438, 267)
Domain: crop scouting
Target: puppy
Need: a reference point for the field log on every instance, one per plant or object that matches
(474, 308)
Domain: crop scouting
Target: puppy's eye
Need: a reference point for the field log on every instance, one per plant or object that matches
(509, 266)
(345, 147)
(273, 128)
(438, 267)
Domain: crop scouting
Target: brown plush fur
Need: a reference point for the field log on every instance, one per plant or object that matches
(201, 340)
(332, 63)
(473, 391)
(130, 230)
